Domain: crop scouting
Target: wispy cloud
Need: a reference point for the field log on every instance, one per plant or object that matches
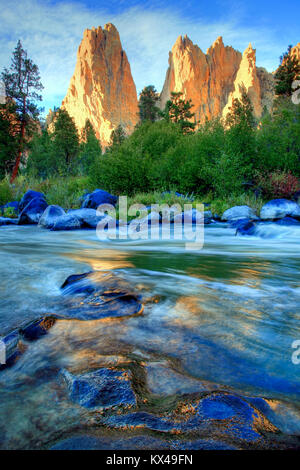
(51, 32)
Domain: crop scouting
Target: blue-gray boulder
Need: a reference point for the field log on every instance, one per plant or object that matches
(32, 213)
(87, 217)
(66, 222)
(279, 208)
(50, 216)
(287, 221)
(98, 197)
(28, 196)
(239, 212)
(104, 387)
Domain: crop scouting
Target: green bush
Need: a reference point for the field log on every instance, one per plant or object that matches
(6, 192)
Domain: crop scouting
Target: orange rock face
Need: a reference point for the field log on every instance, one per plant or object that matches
(102, 88)
(206, 79)
(214, 79)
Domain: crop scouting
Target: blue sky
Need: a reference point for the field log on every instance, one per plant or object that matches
(51, 31)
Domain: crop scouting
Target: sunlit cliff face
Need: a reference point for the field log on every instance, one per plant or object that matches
(214, 79)
(102, 88)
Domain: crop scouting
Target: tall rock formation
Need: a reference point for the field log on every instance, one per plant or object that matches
(248, 80)
(214, 79)
(102, 88)
(206, 79)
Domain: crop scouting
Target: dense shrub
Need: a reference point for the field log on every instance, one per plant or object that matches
(278, 184)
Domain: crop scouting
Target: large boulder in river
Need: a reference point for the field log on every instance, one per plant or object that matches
(29, 196)
(279, 208)
(104, 387)
(32, 213)
(50, 216)
(239, 212)
(98, 197)
(66, 222)
(87, 217)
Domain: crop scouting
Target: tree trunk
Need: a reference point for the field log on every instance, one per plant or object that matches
(18, 159)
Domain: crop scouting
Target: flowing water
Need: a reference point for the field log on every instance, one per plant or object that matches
(221, 318)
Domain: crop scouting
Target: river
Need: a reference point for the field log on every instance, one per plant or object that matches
(223, 317)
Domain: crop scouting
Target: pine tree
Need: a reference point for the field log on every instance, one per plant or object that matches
(287, 72)
(179, 111)
(22, 84)
(90, 148)
(241, 112)
(66, 141)
(148, 111)
(117, 137)
(8, 142)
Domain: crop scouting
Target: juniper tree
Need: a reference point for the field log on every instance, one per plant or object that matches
(178, 110)
(148, 111)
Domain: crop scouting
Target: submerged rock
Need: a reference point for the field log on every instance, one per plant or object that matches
(50, 216)
(37, 328)
(279, 208)
(239, 212)
(66, 222)
(97, 295)
(8, 221)
(287, 221)
(244, 227)
(88, 218)
(98, 197)
(228, 417)
(104, 388)
(33, 211)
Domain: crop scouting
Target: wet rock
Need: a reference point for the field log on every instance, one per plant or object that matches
(32, 213)
(66, 222)
(37, 328)
(29, 196)
(9, 349)
(88, 218)
(287, 221)
(190, 217)
(8, 221)
(50, 216)
(239, 212)
(162, 380)
(105, 388)
(279, 208)
(98, 197)
(227, 416)
(244, 227)
(97, 295)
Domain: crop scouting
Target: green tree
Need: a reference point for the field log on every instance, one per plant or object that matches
(117, 137)
(178, 110)
(42, 160)
(90, 148)
(8, 142)
(66, 141)
(148, 111)
(22, 86)
(287, 72)
(240, 138)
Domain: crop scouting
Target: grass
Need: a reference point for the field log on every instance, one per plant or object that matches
(66, 192)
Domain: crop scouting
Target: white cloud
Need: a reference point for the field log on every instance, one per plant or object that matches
(52, 32)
